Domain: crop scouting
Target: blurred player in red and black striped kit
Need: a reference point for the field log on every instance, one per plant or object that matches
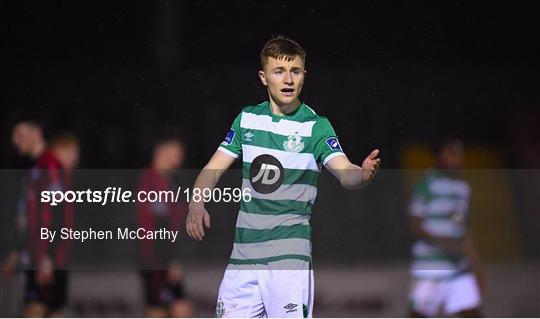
(66, 149)
(162, 276)
(45, 263)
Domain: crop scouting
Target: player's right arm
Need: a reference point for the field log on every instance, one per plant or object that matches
(469, 249)
(10, 264)
(208, 178)
(222, 159)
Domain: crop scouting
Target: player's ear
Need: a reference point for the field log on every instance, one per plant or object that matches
(262, 76)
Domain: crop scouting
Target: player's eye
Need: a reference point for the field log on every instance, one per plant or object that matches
(278, 72)
(296, 72)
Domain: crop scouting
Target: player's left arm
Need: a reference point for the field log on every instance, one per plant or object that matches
(352, 176)
(469, 249)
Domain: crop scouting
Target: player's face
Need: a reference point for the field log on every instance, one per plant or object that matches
(68, 155)
(452, 156)
(23, 138)
(284, 79)
(171, 155)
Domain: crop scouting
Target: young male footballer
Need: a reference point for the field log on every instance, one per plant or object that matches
(446, 273)
(283, 144)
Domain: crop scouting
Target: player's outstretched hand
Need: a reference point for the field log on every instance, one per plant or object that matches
(370, 166)
(194, 223)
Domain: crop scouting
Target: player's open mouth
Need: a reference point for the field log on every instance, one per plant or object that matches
(287, 91)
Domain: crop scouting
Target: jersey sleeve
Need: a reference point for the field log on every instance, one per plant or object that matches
(232, 144)
(419, 199)
(327, 144)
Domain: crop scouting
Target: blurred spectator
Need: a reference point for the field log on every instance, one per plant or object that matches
(162, 276)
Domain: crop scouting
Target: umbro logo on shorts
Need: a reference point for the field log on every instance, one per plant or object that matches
(290, 307)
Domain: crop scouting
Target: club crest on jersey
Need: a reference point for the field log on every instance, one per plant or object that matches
(229, 138)
(294, 143)
(333, 143)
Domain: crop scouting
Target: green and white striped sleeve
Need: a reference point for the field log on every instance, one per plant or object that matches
(232, 144)
(327, 145)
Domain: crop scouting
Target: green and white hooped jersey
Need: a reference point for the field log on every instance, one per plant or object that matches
(442, 202)
(282, 157)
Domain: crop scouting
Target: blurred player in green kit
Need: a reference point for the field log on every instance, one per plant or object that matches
(447, 278)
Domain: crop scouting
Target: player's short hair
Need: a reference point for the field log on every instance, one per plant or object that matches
(281, 47)
(439, 145)
(64, 139)
(169, 136)
(28, 120)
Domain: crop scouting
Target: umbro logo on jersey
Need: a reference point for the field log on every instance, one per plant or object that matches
(291, 307)
(248, 136)
(333, 143)
(266, 174)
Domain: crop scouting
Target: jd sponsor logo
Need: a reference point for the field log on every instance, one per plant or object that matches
(266, 174)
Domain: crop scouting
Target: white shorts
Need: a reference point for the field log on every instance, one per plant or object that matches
(432, 297)
(279, 289)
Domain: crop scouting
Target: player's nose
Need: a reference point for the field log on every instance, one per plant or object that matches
(288, 78)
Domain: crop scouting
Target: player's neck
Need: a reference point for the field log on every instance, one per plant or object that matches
(281, 110)
(445, 170)
(160, 167)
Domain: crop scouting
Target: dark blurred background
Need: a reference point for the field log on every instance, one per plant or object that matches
(385, 73)
(393, 75)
